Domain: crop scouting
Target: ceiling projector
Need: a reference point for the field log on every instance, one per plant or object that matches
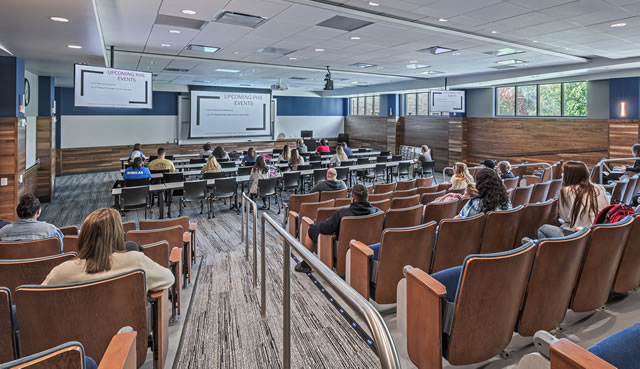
(279, 86)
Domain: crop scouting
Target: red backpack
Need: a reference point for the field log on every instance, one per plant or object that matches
(613, 214)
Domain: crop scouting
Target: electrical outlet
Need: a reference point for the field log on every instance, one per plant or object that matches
(4, 181)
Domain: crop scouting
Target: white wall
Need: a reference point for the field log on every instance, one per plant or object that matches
(322, 126)
(31, 112)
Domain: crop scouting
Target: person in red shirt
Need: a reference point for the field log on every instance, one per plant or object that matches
(323, 147)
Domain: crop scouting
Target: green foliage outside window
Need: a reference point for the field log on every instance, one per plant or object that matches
(551, 100)
(575, 99)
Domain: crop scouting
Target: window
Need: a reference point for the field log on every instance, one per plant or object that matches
(527, 100)
(353, 106)
(505, 99)
(364, 105)
(376, 105)
(550, 100)
(411, 104)
(361, 105)
(423, 103)
(575, 99)
(368, 108)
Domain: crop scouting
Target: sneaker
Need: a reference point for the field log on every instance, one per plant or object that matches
(303, 267)
(525, 240)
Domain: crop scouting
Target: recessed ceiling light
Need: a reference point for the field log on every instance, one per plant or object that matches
(456, 54)
(417, 66)
(443, 20)
(174, 31)
(74, 46)
(59, 19)
(165, 45)
(373, 4)
(152, 62)
(617, 25)
(432, 72)
(354, 82)
(494, 32)
(510, 62)
(236, 52)
(362, 65)
(535, 41)
(292, 58)
(413, 61)
(227, 70)
(355, 37)
(189, 12)
(319, 50)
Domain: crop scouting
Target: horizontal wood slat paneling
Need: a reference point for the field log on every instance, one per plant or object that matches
(367, 132)
(622, 135)
(433, 132)
(8, 167)
(30, 181)
(45, 151)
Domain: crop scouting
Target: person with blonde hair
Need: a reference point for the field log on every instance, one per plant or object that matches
(461, 177)
(504, 169)
(339, 156)
(295, 160)
(212, 166)
(102, 254)
(286, 154)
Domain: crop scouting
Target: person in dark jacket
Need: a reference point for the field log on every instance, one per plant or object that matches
(359, 206)
(489, 163)
(330, 184)
(635, 149)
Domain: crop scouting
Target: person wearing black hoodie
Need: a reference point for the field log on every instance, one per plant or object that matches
(359, 206)
(330, 184)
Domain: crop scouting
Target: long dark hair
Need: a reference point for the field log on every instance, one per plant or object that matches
(251, 153)
(101, 236)
(260, 165)
(137, 163)
(491, 190)
(219, 153)
(575, 178)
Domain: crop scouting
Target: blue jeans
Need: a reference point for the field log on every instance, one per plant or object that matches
(376, 251)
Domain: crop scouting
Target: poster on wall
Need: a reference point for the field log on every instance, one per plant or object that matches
(447, 101)
(112, 88)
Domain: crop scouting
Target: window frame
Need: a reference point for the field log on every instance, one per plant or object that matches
(537, 115)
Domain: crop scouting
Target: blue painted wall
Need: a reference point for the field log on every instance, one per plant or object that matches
(11, 85)
(624, 90)
(46, 95)
(164, 103)
(311, 106)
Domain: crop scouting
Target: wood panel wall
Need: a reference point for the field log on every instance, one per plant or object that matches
(8, 167)
(622, 135)
(46, 152)
(30, 181)
(367, 132)
(430, 131)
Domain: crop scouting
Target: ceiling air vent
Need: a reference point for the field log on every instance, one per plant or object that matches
(179, 22)
(239, 19)
(276, 50)
(344, 23)
(177, 70)
(298, 78)
(503, 67)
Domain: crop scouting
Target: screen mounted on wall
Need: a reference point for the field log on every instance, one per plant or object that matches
(112, 88)
(447, 101)
(230, 114)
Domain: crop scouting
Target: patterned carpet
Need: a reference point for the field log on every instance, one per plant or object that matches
(223, 327)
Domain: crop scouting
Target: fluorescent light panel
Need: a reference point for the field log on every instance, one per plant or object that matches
(437, 50)
(510, 62)
(227, 70)
(417, 66)
(362, 65)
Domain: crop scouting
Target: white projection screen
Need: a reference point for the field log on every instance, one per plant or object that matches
(230, 114)
(112, 88)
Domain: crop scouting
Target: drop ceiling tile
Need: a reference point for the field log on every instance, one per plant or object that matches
(262, 8)
(603, 16)
(576, 8)
(539, 4)
(206, 9)
(496, 12)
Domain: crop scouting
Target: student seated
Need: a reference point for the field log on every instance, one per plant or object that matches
(295, 160)
(302, 148)
(212, 166)
(360, 206)
(323, 147)
(504, 169)
(259, 171)
(330, 184)
(579, 203)
(347, 150)
(338, 157)
(161, 163)
(136, 152)
(461, 178)
(206, 151)
(27, 227)
(469, 192)
(250, 157)
(3, 223)
(102, 254)
(635, 150)
(424, 154)
(492, 195)
(489, 163)
(136, 170)
(220, 154)
(286, 154)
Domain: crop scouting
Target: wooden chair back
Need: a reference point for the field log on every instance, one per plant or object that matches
(444, 186)
(405, 193)
(427, 189)
(147, 225)
(70, 243)
(14, 273)
(381, 196)
(631, 190)
(384, 187)
(533, 217)
(436, 211)
(539, 192)
(428, 197)
(500, 230)
(324, 214)
(69, 230)
(383, 205)
(405, 202)
(173, 235)
(29, 249)
(309, 209)
(366, 229)
(518, 171)
(400, 247)
(7, 337)
(424, 182)
(129, 226)
(338, 203)
(91, 313)
(628, 274)
(618, 192)
(405, 185)
(451, 248)
(69, 355)
(521, 195)
(511, 182)
(554, 189)
(158, 252)
(332, 195)
(601, 262)
(404, 218)
(296, 200)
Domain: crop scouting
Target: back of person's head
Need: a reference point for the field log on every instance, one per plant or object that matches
(574, 173)
(636, 150)
(28, 206)
(331, 174)
(219, 153)
(504, 166)
(260, 165)
(212, 164)
(206, 147)
(295, 156)
(461, 172)
(251, 153)
(424, 148)
(137, 147)
(575, 177)
(285, 148)
(489, 163)
(359, 193)
(300, 141)
(323, 142)
(471, 190)
(137, 163)
(101, 236)
(161, 152)
(343, 144)
(490, 189)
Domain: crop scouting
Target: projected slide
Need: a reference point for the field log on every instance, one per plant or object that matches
(230, 114)
(112, 88)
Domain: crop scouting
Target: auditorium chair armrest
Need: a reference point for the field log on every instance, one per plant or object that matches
(424, 319)
(186, 244)
(160, 326)
(69, 231)
(186, 237)
(121, 352)
(292, 223)
(567, 355)
(175, 263)
(360, 267)
(193, 227)
(325, 248)
(176, 255)
(192, 230)
(305, 223)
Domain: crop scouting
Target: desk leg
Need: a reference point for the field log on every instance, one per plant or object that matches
(116, 202)
(161, 204)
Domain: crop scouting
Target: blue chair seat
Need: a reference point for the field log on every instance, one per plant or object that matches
(622, 349)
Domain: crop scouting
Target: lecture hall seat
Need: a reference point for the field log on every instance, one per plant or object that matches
(430, 196)
(383, 205)
(628, 274)
(405, 185)
(380, 196)
(533, 217)
(309, 210)
(14, 273)
(8, 347)
(450, 249)
(405, 202)
(521, 195)
(332, 195)
(380, 188)
(29, 249)
(187, 227)
(539, 192)
(436, 211)
(405, 193)
(500, 230)
(340, 202)
(404, 217)
(292, 210)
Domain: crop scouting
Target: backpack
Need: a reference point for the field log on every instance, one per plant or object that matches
(613, 214)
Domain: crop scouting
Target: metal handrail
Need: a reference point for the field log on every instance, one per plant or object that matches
(547, 165)
(245, 215)
(605, 161)
(384, 342)
(444, 170)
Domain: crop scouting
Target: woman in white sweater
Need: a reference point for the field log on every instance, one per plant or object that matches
(102, 254)
(579, 204)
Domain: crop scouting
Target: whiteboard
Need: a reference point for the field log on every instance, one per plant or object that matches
(447, 101)
(112, 88)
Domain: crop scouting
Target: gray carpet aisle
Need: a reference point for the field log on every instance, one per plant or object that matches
(223, 328)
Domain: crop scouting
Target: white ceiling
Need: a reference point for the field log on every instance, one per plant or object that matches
(551, 32)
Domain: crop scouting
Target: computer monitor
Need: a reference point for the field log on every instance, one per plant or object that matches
(306, 134)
